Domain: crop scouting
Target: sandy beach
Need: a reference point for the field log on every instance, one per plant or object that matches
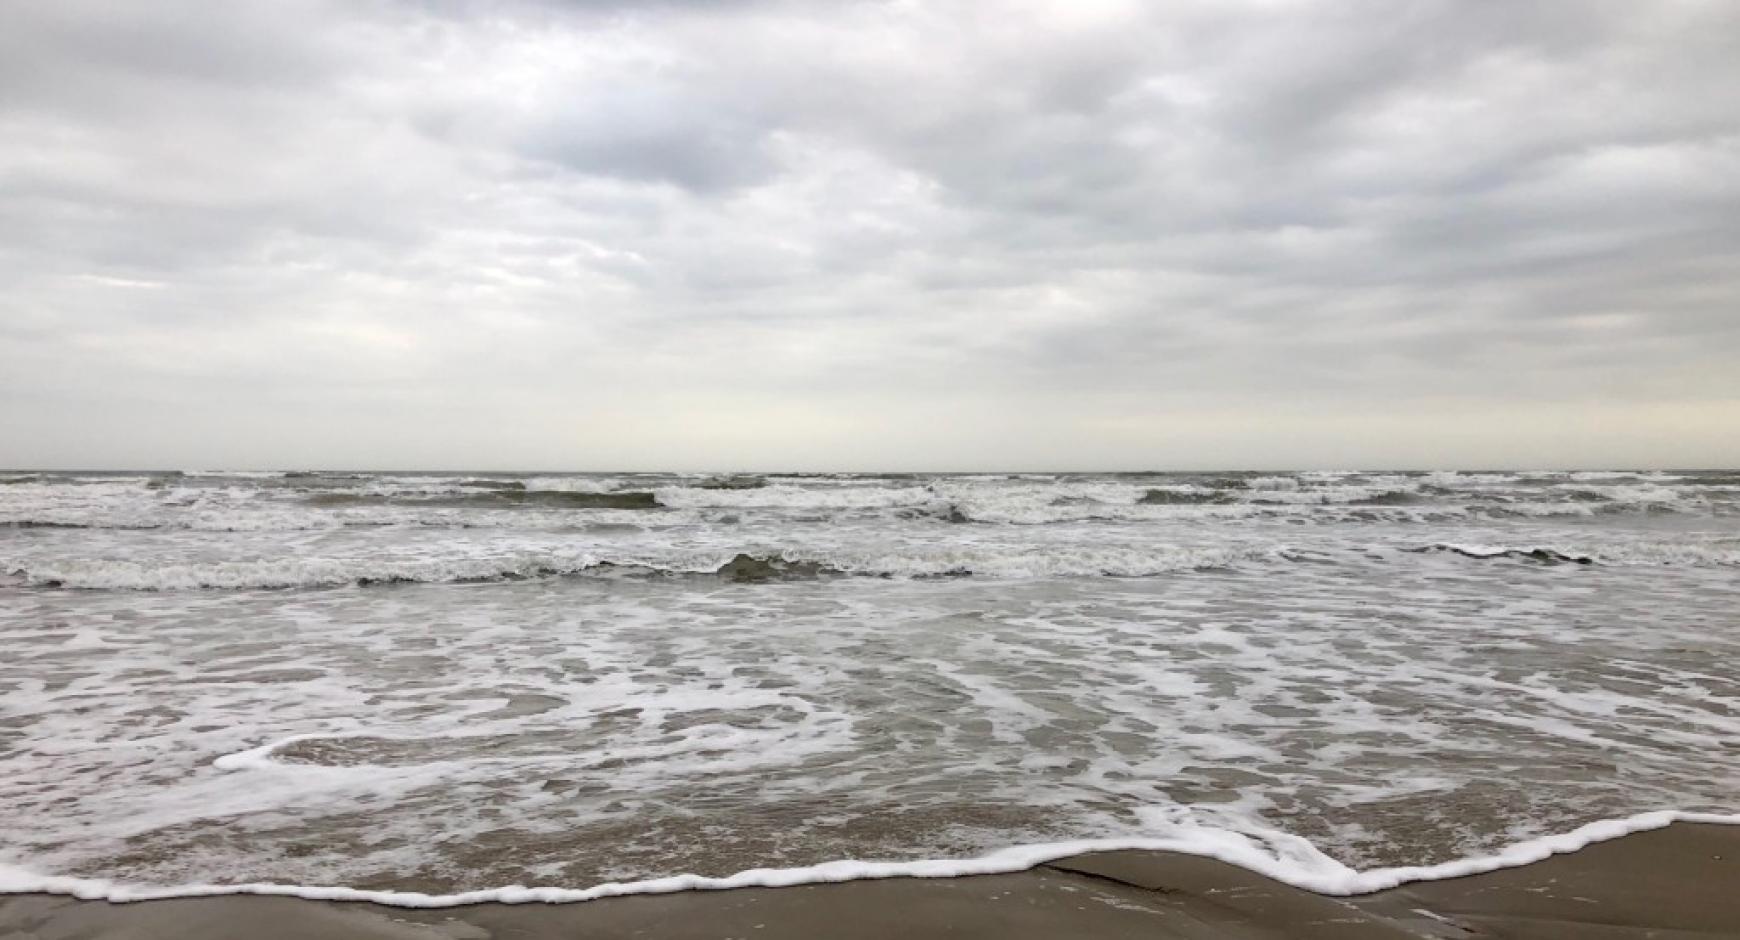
(1677, 882)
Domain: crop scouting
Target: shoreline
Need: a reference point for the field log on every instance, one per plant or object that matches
(1674, 879)
(1276, 855)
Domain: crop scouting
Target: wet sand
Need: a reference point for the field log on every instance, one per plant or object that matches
(1675, 883)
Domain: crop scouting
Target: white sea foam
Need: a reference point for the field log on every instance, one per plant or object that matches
(131, 575)
(1285, 858)
(258, 758)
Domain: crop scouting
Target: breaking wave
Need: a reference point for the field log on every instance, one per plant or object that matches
(1003, 561)
(741, 566)
(1721, 553)
(1546, 555)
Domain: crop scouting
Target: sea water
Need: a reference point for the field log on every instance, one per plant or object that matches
(433, 684)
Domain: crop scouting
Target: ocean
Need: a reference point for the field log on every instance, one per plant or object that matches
(445, 683)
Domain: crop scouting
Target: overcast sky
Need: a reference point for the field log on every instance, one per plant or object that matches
(869, 235)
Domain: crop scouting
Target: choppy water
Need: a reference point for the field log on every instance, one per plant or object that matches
(441, 682)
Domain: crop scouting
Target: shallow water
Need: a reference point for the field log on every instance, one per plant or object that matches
(417, 682)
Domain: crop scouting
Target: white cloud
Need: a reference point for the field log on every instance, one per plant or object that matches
(869, 234)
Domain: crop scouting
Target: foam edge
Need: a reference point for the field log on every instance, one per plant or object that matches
(1302, 867)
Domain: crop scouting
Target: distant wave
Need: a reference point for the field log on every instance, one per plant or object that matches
(1183, 496)
(493, 495)
(300, 500)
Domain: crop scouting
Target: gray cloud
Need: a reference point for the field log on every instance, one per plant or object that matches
(869, 233)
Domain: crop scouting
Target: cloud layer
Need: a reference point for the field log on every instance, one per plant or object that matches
(869, 234)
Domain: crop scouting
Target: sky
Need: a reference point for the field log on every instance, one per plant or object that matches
(870, 235)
